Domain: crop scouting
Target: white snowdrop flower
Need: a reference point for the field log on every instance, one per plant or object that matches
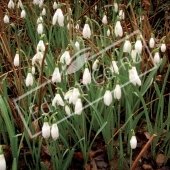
(58, 17)
(117, 92)
(77, 45)
(78, 107)
(44, 11)
(2, 160)
(54, 131)
(45, 129)
(114, 68)
(65, 57)
(86, 76)
(118, 29)
(127, 46)
(74, 96)
(138, 45)
(152, 43)
(20, 5)
(104, 20)
(23, 14)
(116, 7)
(40, 28)
(11, 4)
(157, 59)
(16, 59)
(86, 31)
(40, 46)
(33, 70)
(95, 64)
(121, 14)
(108, 32)
(39, 20)
(68, 26)
(67, 110)
(36, 2)
(37, 57)
(29, 80)
(107, 98)
(95, 8)
(133, 141)
(41, 3)
(163, 47)
(133, 76)
(56, 77)
(57, 99)
(55, 5)
(134, 54)
(68, 94)
(77, 26)
(6, 19)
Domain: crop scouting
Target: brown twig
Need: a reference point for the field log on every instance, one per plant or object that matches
(41, 78)
(143, 150)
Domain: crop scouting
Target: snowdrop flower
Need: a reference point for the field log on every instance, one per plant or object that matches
(127, 46)
(2, 160)
(117, 92)
(11, 4)
(114, 68)
(95, 8)
(16, 59)
(6, 19)
(95, 64)
(116, 7)
(40, 46)
(86, 76)
(107, 97)
(78, 107)
(152, 42)
(77, 45)
(29, 80)
(133, 76)
(41, 3)
(104, 20)
(68, 94)
(57, 99)
(68, 26)
(133, 141)
(157, 59)
(55, 5)
(75, 95)
(56, 77)
(46, 129)
(86, 31)
(108, 32)
(54, 130)
(121, 15)
(39, 20)
(77, 26)
(118, 29)
(33, 70)
(37, 57)
(19, 4)
(23, 14)
(163, 47)
(44, 11)
(36, 2)
(138, 45)
(67, 110)
(58, 17)
(40, 28)
(134, 54)
(65, 57)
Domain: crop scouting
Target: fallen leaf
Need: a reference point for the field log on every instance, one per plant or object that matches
(147, 5)
(160, 160)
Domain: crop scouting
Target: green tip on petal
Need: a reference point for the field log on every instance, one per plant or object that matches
(45, 119)
(86, 66)
(138, 38)
(54, 120)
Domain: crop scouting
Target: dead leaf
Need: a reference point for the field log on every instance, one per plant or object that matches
(147, 5)
(147, 167)
(160, 160)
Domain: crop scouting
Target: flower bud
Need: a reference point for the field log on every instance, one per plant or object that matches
(67, 110)
(138, 46)
(23, 14)
(46, 129)
(108, 97)
(77, 45)
(33, 70)
(133, 141)
(108, 32)
(116, 7)
(16, 60)
(95, 64)
(78, 107)
(117, 92)
(40, 28)
(29, 80)
(157, 59)
(118, 29)
(11, 4)
(55, 131)
(163, 47)
(152, 43)
(86, 76)
(55, 5)
(6, 19)
(104, 20)
(121, 15)
(86, 31)
(44, 11)
(127, 46)
(56, 77)
(133, 76)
